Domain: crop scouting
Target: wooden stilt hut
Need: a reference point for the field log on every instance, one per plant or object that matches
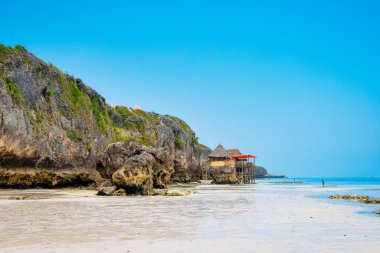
(233, 158)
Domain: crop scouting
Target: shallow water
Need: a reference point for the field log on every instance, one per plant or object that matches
(248, 218)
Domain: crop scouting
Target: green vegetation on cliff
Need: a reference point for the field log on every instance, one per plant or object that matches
(73, 135)
(14, 91)
(4, 51)
(185, 127)
(99, 116)
(58, 120)
(179, 143)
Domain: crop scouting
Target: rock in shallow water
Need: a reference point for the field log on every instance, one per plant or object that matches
(360, 198)
(370, 201)
(349, 197)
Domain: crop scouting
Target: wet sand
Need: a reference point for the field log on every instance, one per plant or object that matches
(248, 218)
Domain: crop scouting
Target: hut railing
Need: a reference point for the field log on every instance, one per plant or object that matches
(244, 165)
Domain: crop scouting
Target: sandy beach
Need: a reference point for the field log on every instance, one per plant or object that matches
(246, 218)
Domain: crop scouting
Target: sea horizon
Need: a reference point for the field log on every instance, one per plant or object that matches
(190, 126)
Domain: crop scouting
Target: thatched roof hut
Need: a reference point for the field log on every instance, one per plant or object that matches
(233, 151)
(222, 158)
(219, 152)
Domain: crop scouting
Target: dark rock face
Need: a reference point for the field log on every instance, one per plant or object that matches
(47, 122)
(21, 178)
(52, 121)
(259, 172)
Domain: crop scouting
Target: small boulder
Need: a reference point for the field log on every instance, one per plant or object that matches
(120, 192)
(160, 191)
(106, 191)
(22, 197)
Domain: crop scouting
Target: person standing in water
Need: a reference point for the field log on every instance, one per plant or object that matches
(323, 183)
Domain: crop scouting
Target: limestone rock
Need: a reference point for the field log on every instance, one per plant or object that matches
(106, 191)
(120, 192)
(137, 168)
(160, 191)
(22, 197)
(360, 198)
(349, 197)
(52, 124)
(27, 178)
(223, 175)
(372, 201)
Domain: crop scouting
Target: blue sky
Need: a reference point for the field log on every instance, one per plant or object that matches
(294, 82)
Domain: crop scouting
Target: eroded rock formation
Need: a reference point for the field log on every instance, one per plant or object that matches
(224, 175)
(138, 169)
(52, 125)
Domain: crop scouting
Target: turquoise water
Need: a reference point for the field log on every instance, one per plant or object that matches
(369, 186)
(362, 186)
(333, 181)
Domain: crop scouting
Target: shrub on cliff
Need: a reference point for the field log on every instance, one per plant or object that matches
(179, 143)
(14, 91)
(98, 116)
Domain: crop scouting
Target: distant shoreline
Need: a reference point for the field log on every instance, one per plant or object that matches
(271, 176)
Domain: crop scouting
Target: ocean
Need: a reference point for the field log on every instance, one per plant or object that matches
(312, 187)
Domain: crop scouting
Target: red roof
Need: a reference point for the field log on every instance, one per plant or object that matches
(243, 156)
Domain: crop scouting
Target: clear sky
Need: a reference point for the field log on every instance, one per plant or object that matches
(295, 82)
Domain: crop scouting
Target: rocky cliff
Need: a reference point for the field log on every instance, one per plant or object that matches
(260, 172)
(57, 131)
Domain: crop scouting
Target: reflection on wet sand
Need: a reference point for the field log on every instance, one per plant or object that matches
(216, 219)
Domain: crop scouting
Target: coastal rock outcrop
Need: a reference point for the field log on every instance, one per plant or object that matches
(373, 201)
(349, 197)
(259, 172)
(223, 175)
(31, 177)
(360, 198)
(137, 168)
(52, 125)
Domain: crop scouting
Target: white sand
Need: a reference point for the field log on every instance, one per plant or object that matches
(253, 218)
